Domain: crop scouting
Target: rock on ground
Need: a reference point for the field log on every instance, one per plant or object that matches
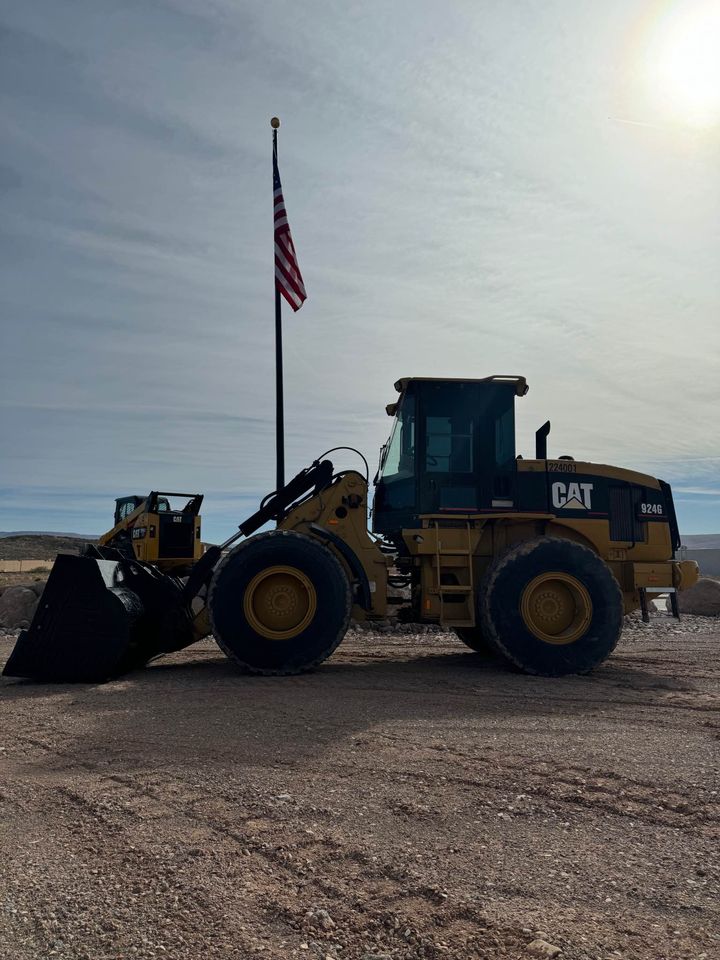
(17, 606)
(541, 948)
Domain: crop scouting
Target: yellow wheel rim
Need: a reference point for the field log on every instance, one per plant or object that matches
(280, 602)
(556, 608)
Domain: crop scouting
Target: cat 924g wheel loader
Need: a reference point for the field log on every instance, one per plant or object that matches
(536, 559)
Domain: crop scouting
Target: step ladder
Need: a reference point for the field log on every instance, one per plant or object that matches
(672, 596)
(461, 613)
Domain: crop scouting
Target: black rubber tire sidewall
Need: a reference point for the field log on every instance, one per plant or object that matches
(235, 636)
(474, 638)
(502, 620)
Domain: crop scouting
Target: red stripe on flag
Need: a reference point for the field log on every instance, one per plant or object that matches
(288, 278)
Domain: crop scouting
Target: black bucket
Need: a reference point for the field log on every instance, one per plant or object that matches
(97, 619)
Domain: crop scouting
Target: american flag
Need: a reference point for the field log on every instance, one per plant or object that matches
(288, 279)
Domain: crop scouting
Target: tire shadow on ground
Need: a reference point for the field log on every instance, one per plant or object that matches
(198, 704)
(368, 670)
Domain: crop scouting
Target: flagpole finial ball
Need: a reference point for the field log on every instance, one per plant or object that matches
(275, 123)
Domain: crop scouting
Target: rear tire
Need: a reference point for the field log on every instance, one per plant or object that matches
(279, 603)
(552, 607)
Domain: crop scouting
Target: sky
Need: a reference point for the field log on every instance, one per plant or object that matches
(474, 187)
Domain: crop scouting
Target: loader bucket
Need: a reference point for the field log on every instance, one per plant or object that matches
(97, 619)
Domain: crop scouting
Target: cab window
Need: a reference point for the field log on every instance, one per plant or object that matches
(505, 438)
(449, 444)
(399, 460)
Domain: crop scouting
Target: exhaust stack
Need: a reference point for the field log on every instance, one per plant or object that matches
(541, 436)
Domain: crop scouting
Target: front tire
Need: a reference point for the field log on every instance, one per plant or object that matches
(279, 603)
(552, 607)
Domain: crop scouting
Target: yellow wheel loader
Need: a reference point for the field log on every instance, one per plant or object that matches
(536, 559)
(149, 529)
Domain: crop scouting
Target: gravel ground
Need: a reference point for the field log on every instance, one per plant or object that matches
(408, 800)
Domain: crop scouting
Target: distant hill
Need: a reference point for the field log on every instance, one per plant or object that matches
(46, 533)
(40, 546)
(701, 541)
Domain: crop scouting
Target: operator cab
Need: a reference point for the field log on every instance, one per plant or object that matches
(451, 450)
(124, 506)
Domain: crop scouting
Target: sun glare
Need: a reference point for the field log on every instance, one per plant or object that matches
(683, 62)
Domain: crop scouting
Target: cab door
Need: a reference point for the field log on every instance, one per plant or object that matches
(449, 437)
(466, 434)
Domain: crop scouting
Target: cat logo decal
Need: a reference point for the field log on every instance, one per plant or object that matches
(572, 496)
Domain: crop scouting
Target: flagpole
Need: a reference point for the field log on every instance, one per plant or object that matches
(279, 411)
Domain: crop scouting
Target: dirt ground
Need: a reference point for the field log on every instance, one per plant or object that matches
(408, 800)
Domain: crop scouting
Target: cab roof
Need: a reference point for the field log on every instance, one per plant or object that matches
(521, 384)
